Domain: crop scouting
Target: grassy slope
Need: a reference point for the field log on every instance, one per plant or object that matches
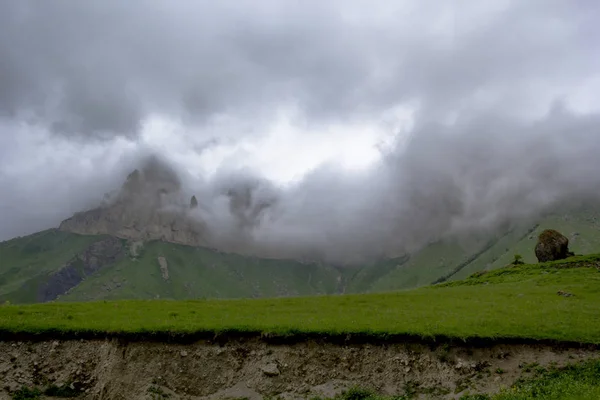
(581, 231)
(423, 268)
(28, 259)
(203, 273)
(442, 258)
(517, 302)
(193, 272)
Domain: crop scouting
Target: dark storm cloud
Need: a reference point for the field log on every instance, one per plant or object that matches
(101, 67)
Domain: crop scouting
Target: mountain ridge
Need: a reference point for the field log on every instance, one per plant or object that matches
(145, 241)
(57, 265)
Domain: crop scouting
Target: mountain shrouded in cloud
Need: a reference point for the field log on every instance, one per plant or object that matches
(148, 206)
(336, 130)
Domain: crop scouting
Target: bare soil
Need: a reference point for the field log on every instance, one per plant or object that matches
(254, 369)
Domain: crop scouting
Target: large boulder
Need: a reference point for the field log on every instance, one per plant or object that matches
(551, 246)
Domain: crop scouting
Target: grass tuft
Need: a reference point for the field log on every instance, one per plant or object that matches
(64, 391)
(26, 393)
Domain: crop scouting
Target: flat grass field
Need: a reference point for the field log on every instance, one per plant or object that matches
(515, 302)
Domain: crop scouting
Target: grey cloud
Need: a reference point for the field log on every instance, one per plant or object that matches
(100, 68)
(481, 175)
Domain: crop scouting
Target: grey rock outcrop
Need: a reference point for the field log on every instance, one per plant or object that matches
(164, 267)
(149, 206)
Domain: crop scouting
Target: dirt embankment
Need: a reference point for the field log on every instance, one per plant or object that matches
(116, 369)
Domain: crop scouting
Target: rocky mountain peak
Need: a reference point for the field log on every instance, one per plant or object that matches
(156, 179)
(150, 205)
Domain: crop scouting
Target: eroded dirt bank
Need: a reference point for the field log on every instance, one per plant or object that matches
(116, 369)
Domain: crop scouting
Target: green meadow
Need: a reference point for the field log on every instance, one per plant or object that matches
(515, 302)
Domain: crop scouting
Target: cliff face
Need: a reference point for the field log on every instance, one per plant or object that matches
(149, 206)
(124, 221)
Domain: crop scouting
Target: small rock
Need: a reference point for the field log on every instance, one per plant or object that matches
(183, 353)
(270, 369)
(12, 387)
(304, 389)
(564, 294)
(407, 370)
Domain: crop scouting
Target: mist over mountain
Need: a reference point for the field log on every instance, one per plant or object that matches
(330, 131)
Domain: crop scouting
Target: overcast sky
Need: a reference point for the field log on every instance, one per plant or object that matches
(392, 118)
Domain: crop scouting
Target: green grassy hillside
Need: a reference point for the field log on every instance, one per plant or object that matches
(513, 302)
(204, 273)
(191, 273)
(452, 259)
(29, 265)
(26, 261)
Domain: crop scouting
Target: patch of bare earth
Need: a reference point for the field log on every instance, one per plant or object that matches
(117, 369)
